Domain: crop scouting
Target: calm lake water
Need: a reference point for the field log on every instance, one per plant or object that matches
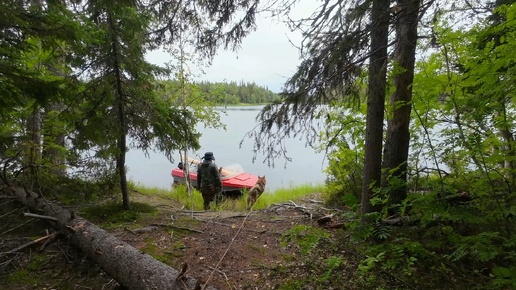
(305, 168)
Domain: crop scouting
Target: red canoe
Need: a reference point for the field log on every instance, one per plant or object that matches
(233, 176)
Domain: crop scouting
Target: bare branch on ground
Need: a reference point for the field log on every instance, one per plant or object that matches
(31, 243)
(43, 217)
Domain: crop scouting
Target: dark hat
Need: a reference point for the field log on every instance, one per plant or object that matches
(209, 156)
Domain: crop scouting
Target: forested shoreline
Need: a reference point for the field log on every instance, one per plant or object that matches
(233, 93)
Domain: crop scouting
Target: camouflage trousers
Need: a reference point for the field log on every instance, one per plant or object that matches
(210, 193)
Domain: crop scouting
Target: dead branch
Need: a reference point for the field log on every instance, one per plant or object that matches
(107, 284)
(142, 230)
(17, 249)
(329, 209)
(220, 272)
(182, 273)
(12, 211)
(131, 231)
(177, 228)
(7, 202)
(19, 226)
(49, 204)
(48, 241)
(303, 209)
(325, 219)
(201, 213)
(236, 216)
(43, 217)
(165, 205)
(315, 201)
(290, 204)
(191, 211)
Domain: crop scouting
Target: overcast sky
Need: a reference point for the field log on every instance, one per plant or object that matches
(266, 56)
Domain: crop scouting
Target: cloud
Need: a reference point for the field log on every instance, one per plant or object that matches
(267, 56)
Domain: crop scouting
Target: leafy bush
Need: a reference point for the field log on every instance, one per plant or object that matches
(305, 237)
(465, 241)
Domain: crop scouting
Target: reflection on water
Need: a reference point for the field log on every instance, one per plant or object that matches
(305, 168)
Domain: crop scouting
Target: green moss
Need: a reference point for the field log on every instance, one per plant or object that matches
(288, 258)
(150, 248)
(22, 277)
(112, 214)
(178, 245)
(186, 222)
(153, 250)
(36, 262)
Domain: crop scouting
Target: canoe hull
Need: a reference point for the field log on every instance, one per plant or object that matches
(241, 182)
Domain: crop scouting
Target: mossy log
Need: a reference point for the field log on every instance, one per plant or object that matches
(124, 263)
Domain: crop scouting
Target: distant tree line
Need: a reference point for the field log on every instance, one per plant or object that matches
(234, 93)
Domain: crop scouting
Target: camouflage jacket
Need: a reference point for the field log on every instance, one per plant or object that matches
(208, 174)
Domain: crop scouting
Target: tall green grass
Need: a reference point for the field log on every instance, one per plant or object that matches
(285, 195)
(194, 201)
(177, 193)
(148, 190)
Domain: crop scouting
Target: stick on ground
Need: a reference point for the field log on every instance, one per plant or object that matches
(177, 228)
(17, 249)
(43, 217)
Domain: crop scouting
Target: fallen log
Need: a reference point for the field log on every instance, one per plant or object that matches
(124, 263)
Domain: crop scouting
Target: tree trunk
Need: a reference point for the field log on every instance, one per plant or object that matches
(398, 135)
(33, 153)
(508, 148)
(122, 123)
(53, 139)
(375, 102)
(124, 263)
(53, 129)
(120, 164)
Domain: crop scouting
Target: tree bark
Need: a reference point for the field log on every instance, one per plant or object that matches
(54, 136)
(33, 153)
(124, 263)
(397, 141)
(375, 102)
(122, 122)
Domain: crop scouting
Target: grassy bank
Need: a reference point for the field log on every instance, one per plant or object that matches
(194, 200)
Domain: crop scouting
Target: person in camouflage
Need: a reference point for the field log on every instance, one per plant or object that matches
(208, 180)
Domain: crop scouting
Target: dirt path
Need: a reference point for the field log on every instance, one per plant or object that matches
(229, 250)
